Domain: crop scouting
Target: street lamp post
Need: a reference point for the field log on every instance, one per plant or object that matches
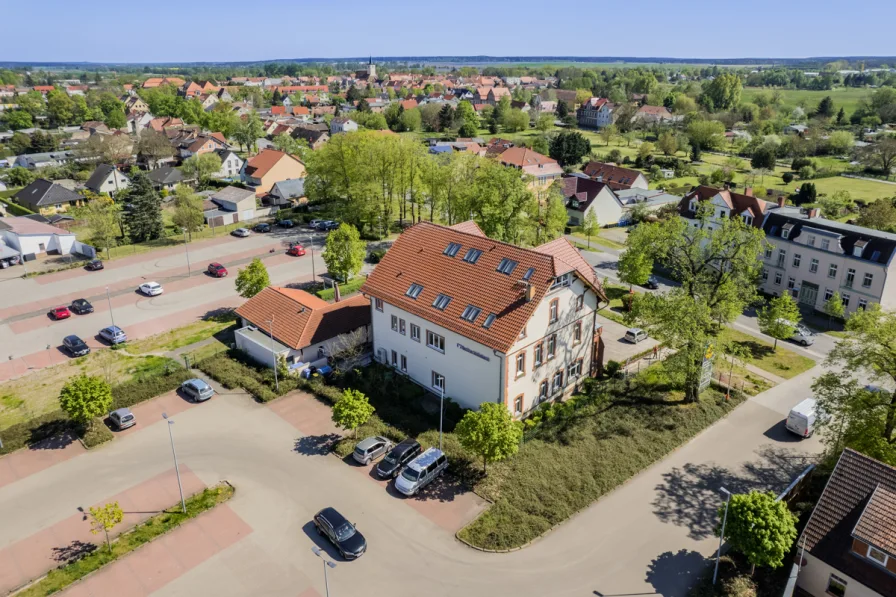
(715, 573)
(274, 354)
(187, 250)
(327, 564)
(313, 272)
(441, 410)
(111, 315)
(183, 503)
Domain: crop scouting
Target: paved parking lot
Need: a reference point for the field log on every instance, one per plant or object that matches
(616, 347)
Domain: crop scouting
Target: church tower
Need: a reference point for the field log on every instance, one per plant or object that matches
(371, 70)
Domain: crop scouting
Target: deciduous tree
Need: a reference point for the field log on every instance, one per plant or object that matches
(344, 252)
(778, 319)
(252, 279)
(154, 146)
(18, 119)
(201, 166)
(722, 93)
(590, 226)
(84, 398)
(469, 121)
(569, 147)
(352, 410)
(104, 519)
(759, 527)
(880, 215)
(187, 210)
(490, 433)
(102, 217)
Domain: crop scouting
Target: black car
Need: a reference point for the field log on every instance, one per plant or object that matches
(94, 265)
(397, 458)
(262, 228)
(652, 283)
(329, 225)
(75, 346)
(81, 306)
(285, 223)
(341, 533)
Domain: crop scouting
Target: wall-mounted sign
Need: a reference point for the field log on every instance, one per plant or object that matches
(473, 352)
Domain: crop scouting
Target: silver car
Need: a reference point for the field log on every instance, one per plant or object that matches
(113, 335)
(371, 449)
(122, 418)
(197, 389)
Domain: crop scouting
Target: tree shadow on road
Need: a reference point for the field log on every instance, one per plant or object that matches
(316, 445)
(73, 551)
(690, 496)
(52, 435)
(673, 574)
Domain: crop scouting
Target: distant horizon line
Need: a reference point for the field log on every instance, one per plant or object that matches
(454, 59)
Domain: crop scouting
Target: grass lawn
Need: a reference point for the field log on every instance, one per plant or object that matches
(781, 362)
(179, 337)
(869, 190)
(37, 394)
(596, 241)
(155, 527)
(844, 97)
(584, 449)
(350, 287)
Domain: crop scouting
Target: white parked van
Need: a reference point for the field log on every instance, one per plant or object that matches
(421, 471)
(801, 419)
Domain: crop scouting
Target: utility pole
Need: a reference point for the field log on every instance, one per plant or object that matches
(715, 573)
(183, 503)
(108, 298)
(274, 354)
(187, 250)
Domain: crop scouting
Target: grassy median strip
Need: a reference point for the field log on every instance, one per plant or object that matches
(781, 362)
(582, 450)
(153, 528)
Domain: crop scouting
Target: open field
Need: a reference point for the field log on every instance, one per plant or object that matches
(846, 97)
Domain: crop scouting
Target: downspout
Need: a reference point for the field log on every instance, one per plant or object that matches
(501, 376)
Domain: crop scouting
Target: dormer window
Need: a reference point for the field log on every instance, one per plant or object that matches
(857, 251)
(877, 555)
(785, 231)
(562, 280)
(693, 205)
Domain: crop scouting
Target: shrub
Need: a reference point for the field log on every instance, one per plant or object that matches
(799, 163)
(807, 172)
(376, 255)
(135, 391)
(612, 368)
(96, 433)
(237, 370)
(34, 430)
(787, 177)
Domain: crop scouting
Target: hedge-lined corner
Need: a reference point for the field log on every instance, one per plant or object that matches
(57, 423)
(235, 370)
(96, 434)
(153, 528)
(350, 287)
(583, 449)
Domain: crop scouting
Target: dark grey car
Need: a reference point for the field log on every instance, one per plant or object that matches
(75, 346)
(398, 457)
(197, 389)
(371, 449)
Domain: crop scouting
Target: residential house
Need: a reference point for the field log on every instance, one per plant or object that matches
(649, 199)
(29, 237)
(596, 113)
(494, 95)
(165, 122)
(133, 104)
(190, 142)
(617, 177)
(342, 125)
(231, 164)
(496, 146)
(485, 321)
(812, 258)
(47, 198)
(230, 205)
(165, 178)
(848, 548)
(299, 328)
(288, 192)
(49, 158)
(796, 129)
(269, 167)
(545, 170)
(653, 115)
(724, 203)
(107, 179)
(154, 82)
(137, 122)
(584, 195)
(315, 134)
(73, 90)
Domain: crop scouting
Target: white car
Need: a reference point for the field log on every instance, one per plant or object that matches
(151, 289)
(241, 232)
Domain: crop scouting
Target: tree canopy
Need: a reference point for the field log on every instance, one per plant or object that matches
(490, 432)
(252, 279)
(759, 527)
(352, 410)
(85, 397)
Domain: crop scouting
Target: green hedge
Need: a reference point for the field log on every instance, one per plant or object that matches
(35, 430)
(15, 209)
(135, 391)
(235, 370)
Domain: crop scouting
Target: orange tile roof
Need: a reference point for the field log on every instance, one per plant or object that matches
(302, 319)
(417, 257)
(262, 163)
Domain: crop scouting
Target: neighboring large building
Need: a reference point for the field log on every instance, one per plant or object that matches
(596, 113)
(584, 195)
(482, 320)
(616, 177)
(30, 237)
(543, 169)
(812, 258)
(848, 548)
(725, 203)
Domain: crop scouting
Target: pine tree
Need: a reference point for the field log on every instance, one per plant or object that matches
(144, 217)
(841, 116)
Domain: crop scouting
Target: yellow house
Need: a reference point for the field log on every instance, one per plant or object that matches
(270, 167)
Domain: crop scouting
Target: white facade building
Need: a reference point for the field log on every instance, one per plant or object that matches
(483, 320)
(29, 237)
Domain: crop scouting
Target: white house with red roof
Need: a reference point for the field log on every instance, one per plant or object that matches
(483, 320)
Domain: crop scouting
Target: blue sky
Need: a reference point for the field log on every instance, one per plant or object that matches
(232, 30)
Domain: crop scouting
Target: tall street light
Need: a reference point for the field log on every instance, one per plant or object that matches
(108, 298)
(715, 573)
(327, 564)
(273, 353)
(183, 504)
(187, 251)
(313, 273)
(441, 410)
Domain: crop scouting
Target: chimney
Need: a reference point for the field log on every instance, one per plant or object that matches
(748, 191)
(782, 199)
(812, 213)
(336, 296)
(530, 293)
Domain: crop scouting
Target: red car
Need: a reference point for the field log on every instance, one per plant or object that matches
(296, 251)
(60, 313)
(217, 270)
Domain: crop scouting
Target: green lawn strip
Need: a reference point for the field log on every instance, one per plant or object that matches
(128, 542)
(350, 287)
(587, 448)
(180, 337)
(14, 208)
(582, 242)
(781, 362)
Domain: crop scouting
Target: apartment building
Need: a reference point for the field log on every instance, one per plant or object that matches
(812, 258)
(481, 320)
(596, 112)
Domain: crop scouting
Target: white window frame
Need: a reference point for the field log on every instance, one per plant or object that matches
(838, 580)
(832, 270)
(825, 244)
(402, 327)
(404, 363)
(415, 332)
(778, 278)
(850, 278)
(863, 304)
(378, 304)
(439, 345)
(435, 379)
(797, 260)
(395, 323)
(521, 363)
(554, 311)
(552, 350)
(867, 280)
(555, 386)
(813, 266)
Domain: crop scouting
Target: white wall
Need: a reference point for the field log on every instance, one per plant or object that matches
(470, 380)
(814, 576)
(28, 244)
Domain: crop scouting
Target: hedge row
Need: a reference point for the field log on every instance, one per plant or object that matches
(35, 430)
(135, 391)
(234, 371)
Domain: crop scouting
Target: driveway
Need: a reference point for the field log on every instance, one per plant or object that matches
(652, 535)
(616, 347)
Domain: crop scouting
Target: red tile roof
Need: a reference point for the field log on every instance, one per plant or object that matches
(262, 163)
(616, 177)
(417, 257)
(278, 110)
(738, 203)
(302, 319)
(409, 104)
